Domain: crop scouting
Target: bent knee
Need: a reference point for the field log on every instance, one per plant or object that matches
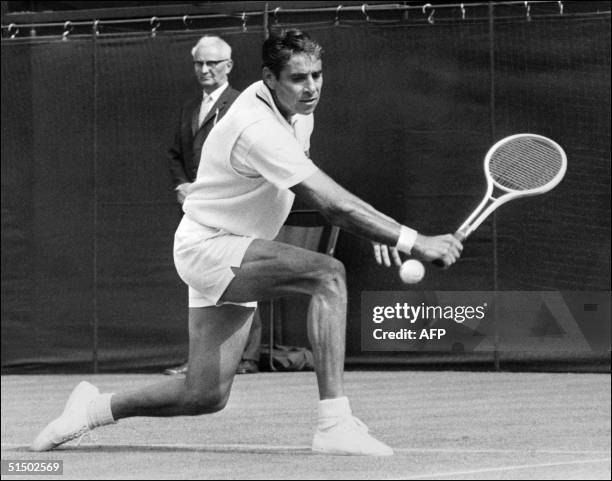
(331, 277)
(338, 270)
(206, 402)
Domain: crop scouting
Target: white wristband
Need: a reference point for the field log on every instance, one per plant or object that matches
(406, 239)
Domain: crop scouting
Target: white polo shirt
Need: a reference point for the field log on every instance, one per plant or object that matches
(249, 161)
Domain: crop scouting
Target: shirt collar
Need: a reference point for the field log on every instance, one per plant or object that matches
(264, 94)
(215, 94)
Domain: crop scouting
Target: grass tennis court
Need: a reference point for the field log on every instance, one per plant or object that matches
(442, 425)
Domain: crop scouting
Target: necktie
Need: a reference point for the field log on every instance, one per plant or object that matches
(204, 109)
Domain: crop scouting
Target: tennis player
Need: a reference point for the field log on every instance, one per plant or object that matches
(256, 161)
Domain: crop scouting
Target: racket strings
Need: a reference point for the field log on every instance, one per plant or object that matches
(525, 164)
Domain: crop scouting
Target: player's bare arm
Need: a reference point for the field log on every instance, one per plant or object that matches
(352, 214)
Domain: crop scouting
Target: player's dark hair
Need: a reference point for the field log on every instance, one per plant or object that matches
(281, 45)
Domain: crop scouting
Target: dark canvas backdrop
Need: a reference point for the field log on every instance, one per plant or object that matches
(406, 117)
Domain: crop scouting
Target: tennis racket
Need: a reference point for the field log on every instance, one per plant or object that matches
(520, 165)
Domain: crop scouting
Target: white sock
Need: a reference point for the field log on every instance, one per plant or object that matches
(99, 411)
(330, 410)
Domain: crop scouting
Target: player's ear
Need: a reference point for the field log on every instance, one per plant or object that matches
(269, 78)
(228, 65)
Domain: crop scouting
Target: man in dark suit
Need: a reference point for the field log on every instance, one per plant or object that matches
(212, 61)
(212, 64)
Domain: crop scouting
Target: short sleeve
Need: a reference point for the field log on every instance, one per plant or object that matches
(271, 151)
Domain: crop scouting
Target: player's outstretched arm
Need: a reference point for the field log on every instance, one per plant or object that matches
(350, 213)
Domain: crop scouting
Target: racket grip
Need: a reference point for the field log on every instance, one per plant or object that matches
(461, 236)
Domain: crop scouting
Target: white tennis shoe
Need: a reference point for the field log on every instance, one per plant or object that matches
(348, 436)
(73, 421)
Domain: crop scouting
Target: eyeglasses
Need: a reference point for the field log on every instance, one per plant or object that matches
(210, 63)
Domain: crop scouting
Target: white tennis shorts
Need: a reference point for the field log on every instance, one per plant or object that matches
(204, 257)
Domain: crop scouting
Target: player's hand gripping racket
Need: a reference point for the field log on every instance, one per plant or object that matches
(517, 166)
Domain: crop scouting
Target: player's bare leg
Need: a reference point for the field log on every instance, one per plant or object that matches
(271, 269)
(217, 338)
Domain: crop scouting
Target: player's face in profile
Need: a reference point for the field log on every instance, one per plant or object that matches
(211, 65)
(298, 87)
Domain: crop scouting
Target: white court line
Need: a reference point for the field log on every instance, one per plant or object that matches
(174, 446)
(507, 468)
(300, 448)
(498, 451)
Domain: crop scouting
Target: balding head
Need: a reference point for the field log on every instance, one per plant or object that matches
(213, 42)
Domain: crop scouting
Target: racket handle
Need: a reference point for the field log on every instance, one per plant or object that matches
(461, 236)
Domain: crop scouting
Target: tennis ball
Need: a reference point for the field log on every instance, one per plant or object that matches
(411, 271)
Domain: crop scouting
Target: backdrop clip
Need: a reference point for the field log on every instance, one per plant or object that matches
(67, 29)
(14, 29)
(430, 18)
(528, 11)
(337, 19)
(363, 10)
(155, 23)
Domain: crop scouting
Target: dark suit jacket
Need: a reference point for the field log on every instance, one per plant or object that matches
(184, 154)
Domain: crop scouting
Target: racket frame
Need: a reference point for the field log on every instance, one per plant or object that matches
(489, 202)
